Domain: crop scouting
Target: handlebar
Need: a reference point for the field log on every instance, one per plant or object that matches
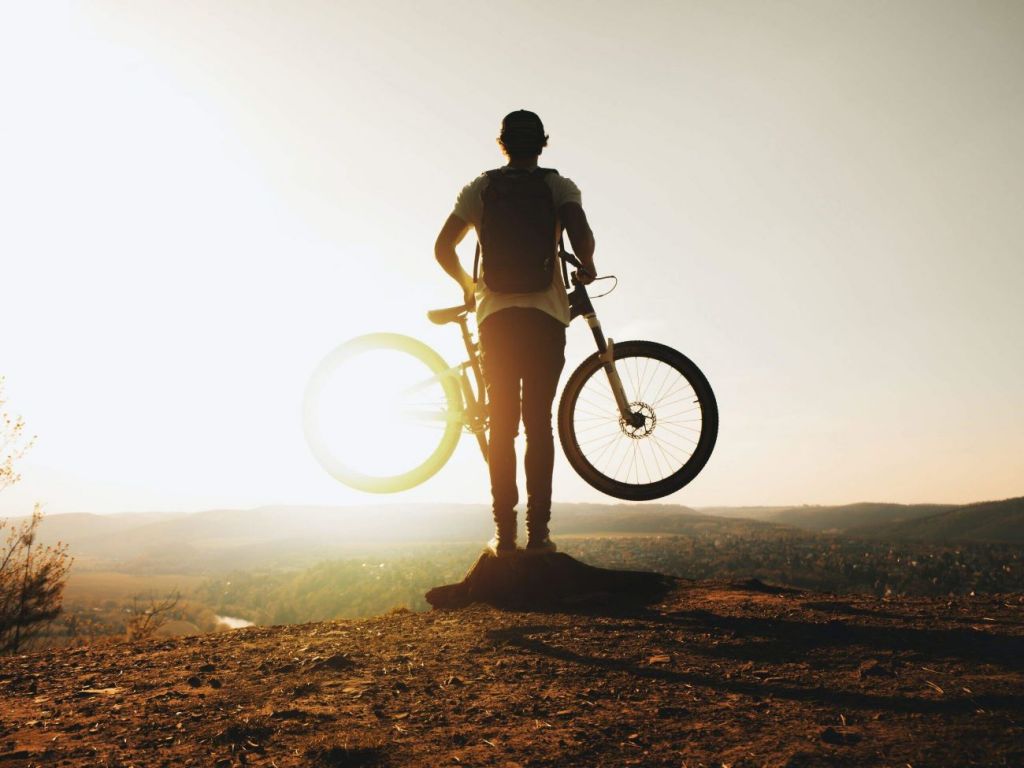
(571, 259)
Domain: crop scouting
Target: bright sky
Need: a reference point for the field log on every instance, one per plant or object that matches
(820, 203)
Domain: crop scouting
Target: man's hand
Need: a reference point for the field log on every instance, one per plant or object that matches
(576, 226)
(469, 293)
(451, 234)
(584, 276)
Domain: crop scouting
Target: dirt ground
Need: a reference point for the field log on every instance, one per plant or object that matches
(713, 675)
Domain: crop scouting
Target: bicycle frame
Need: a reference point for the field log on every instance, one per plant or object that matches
(475, 412)
(475, 406)
(454, 398)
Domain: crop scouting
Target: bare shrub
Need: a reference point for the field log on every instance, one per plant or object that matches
(32, 576)
(146, 621)
(12, 442)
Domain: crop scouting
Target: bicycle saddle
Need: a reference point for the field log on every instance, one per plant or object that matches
(448, 315)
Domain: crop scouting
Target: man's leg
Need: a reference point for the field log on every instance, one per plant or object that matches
(540, 380)
(498, 346)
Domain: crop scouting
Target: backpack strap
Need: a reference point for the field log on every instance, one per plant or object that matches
(561, 240)
(476, 256)
(563, 261)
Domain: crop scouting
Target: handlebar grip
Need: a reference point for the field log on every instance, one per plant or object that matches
(571, 258)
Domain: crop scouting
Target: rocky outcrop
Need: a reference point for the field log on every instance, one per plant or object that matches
(548, 581)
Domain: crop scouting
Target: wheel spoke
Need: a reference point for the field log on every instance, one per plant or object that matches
(430, 416)
(600, 454)
(688, 399)
(657, 450)
(673, 460)
(592, 427)
(674, 390)
(666, 381)
(615, 434)
(676, 434)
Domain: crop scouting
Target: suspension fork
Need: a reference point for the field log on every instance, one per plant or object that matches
(581, 305)
(606, 354)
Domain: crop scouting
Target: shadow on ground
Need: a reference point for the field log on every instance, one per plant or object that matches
(552, 581)
(775, 641)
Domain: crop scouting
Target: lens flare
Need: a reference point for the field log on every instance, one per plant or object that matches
(382, 413)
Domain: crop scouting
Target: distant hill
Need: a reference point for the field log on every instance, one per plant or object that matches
(245, 538)
(991, 521)
(273, 536)
(648, 518)
(864, 516)
(751, 513)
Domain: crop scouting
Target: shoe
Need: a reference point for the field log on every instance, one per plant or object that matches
(543, 546)
(501, 547)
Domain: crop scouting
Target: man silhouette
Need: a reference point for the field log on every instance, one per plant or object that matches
(518, 212)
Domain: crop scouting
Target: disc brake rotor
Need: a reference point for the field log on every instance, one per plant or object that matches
(637, 431)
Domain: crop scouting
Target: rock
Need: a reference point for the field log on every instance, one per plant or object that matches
(449, 596)
(305, 689)
(874, 668)
(337, 662)
(670, 712)
(756, 585)
(547, 581)
(839, 736)
(348, 756)
(289, 714)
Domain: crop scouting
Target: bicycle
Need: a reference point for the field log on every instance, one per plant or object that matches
(641, 431)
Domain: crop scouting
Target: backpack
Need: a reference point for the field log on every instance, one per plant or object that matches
(518, 238)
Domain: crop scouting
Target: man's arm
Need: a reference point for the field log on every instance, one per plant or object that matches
(575, 222)
(451, 234)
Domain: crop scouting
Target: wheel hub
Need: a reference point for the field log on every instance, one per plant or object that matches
(641, 422)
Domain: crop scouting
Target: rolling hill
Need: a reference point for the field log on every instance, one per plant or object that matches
(989, 521)
(864, 515)
(222, 539)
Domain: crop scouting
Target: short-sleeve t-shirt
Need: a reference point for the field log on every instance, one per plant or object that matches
(469, 207)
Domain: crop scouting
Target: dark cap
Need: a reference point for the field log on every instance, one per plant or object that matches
(522, 121)
(523, 130)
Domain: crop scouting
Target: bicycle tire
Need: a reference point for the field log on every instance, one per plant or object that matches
(435, 368)
(571, 423)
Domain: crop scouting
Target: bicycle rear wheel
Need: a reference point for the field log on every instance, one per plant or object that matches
(383, 412)
(638, 463)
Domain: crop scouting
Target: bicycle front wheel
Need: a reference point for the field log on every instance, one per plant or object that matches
(383, 412)
(663, 447)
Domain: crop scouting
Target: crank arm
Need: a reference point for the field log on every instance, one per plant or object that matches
(424, 416)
